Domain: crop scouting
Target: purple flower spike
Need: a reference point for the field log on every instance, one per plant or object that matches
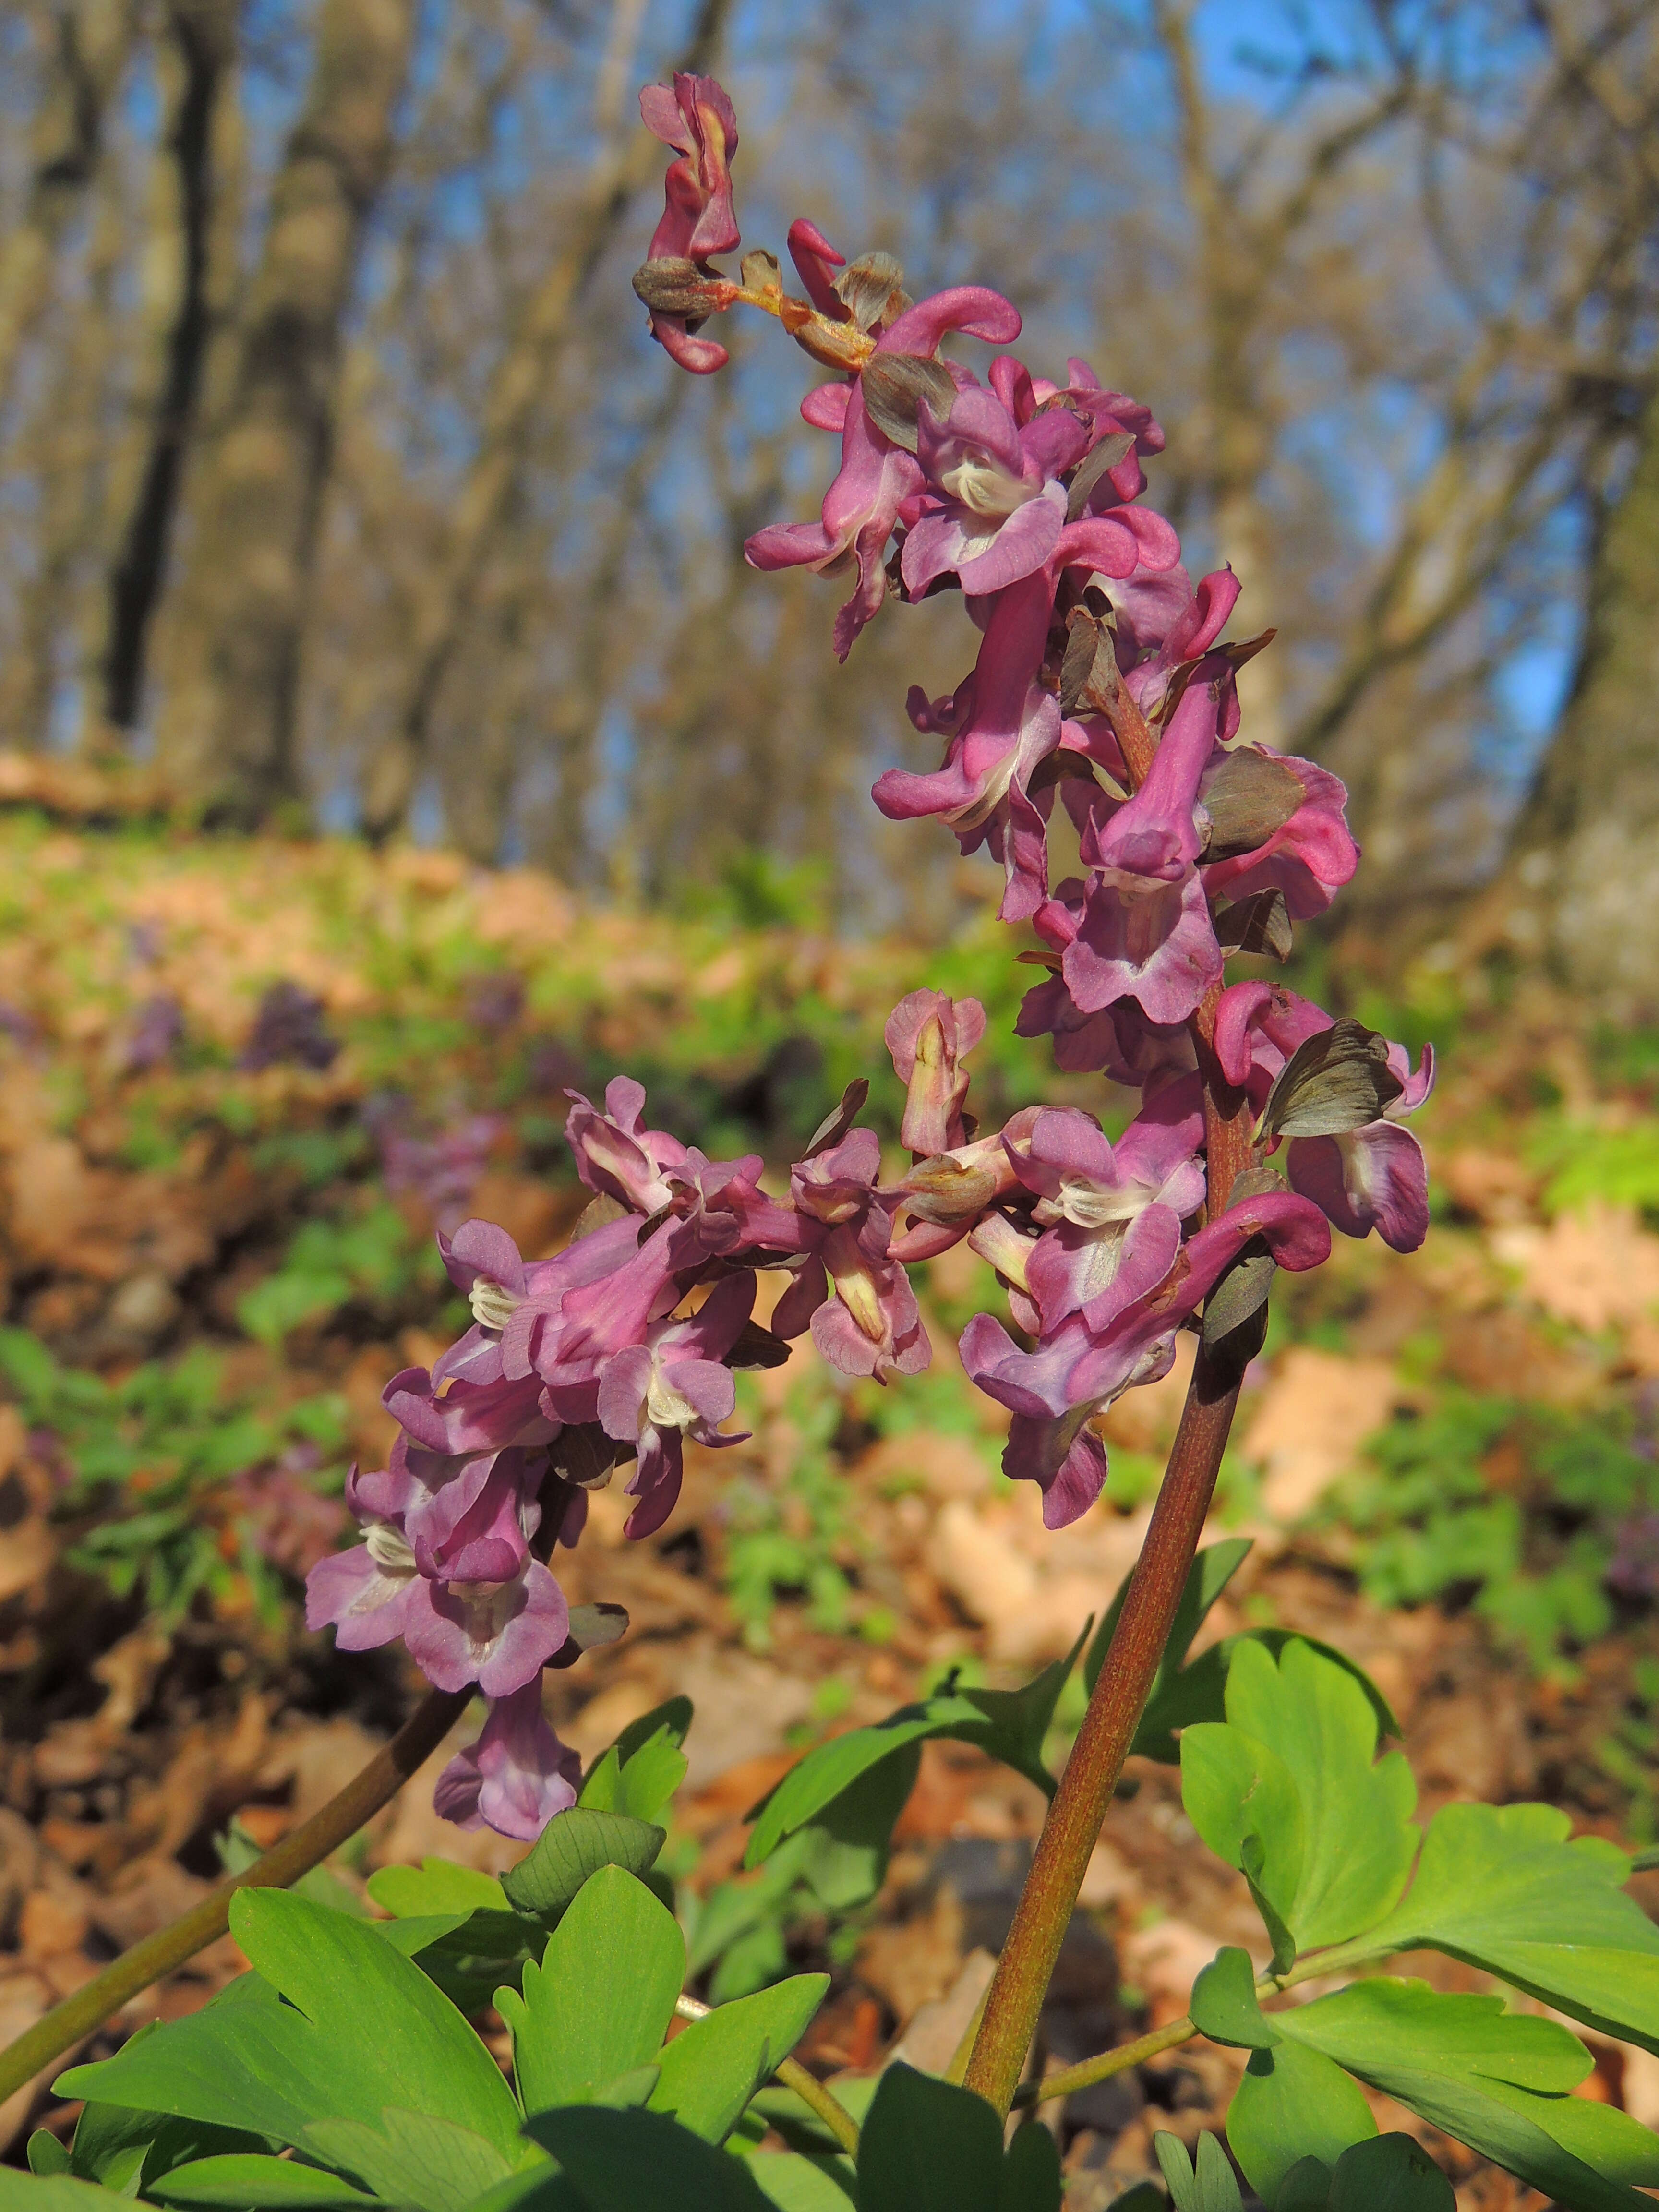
(1372, 1177)
(872, 1325)
(1076, 1371)
(675, 1384)
(517, 1775)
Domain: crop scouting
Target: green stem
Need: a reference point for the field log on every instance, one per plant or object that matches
(1338, 1961)
(793, 2075)
(308, 1846)
(1082, 2077)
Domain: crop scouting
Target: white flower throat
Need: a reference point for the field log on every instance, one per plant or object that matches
(493, 1304)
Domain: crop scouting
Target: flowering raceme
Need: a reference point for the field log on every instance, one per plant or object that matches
(1101, 683)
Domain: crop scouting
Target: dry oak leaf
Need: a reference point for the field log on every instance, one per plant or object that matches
(1596, 1268)
(1310, 1422)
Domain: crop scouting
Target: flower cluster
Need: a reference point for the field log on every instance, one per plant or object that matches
(1101, 683)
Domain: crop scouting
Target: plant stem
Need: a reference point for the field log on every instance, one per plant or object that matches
(1089, 2070)
(308, 1846)
(1081, 1803)
(793, 2075)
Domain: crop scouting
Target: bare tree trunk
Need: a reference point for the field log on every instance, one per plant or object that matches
(228, 732)
(93, 39)
(202, 40)
(625, 165)
(1582, 882)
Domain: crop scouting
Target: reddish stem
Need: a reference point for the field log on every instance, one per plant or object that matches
(1081, 1803)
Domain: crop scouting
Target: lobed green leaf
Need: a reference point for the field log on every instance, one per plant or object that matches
(1498, 2082)
(600, 2003)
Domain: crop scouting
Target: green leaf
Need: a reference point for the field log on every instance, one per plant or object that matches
(435, 1885)
(1224, 2005)
(250, 2182)
(844, 1851)
(1236, 1792)
(1502, 1887)
(1144, 2196)
(601, 2000)
(55, 2192)
(1303, 1735)
(1018, 1720)
(642, 1786)
(1306, 2187)
(413, 2159)
(468, 1959)
(573, 1846)
(641, 2162)
(1207, 2185)
(674, 1714)
(1199, 1692)
(644, 1767)
(795, 2183)
(1497, 2082)
(363, 2028)
(45, 2154)
(114, 2146)
(1030, 2180)
(800, 2126)
(1390, 2174)
(709, 2074)
(1293, 2104)
(929, 2147)
(823, 1774)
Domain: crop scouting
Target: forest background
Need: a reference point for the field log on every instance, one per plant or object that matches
(392, 737)
(342, 484)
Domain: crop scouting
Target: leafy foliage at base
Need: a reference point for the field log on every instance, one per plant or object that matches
(344, 2070)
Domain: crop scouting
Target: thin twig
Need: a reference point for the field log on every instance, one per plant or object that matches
(793, 2075)
(1082, 2077)
(308, 1846)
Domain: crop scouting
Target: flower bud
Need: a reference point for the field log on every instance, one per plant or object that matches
(929, 1036)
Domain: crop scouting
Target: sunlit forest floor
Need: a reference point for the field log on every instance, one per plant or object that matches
(241, 1085)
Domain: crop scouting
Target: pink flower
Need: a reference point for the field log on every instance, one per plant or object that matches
(1000, 726)
(1110, 1214)
(876, 476)
(675, 1384)
(994, 505)
(1145, 932)
(1374, 1176)
(872, 1325)
(1056, 1391)
(516, 1776)
(929, 1036)
(1308, 853)
(615, 1156)
(697, 221)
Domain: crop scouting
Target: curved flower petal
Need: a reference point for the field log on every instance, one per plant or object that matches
(1371, 1178)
